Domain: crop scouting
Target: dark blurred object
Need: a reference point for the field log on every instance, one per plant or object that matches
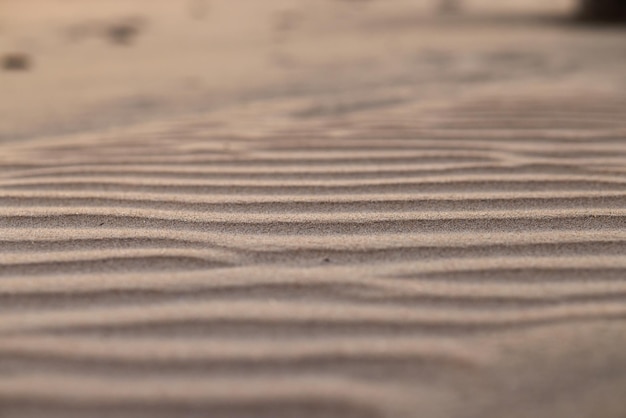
(16, 61)
(122, 34)
(603, 10)
(125, 32)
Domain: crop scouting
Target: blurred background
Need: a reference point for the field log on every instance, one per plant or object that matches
(77, 65)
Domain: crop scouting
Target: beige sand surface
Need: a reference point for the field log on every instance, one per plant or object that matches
(376, 212)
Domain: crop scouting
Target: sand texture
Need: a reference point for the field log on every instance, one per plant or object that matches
(390, 264)
(449, 245)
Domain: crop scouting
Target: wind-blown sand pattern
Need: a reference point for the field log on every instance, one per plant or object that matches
(386, 215)
(403, 261)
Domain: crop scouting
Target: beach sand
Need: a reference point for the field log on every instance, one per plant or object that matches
(349, 209)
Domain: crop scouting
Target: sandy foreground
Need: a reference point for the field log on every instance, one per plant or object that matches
(311, 209)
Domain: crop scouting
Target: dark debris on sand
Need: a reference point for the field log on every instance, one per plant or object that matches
(16, 61)
(125, 31)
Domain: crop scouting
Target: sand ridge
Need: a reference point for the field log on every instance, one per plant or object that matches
(312, 269)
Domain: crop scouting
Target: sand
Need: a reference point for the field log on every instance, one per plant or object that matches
(451, 244)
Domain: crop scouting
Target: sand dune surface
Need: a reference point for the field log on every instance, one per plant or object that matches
(381, 253)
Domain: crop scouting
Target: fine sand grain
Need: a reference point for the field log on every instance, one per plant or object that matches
(379, 253)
